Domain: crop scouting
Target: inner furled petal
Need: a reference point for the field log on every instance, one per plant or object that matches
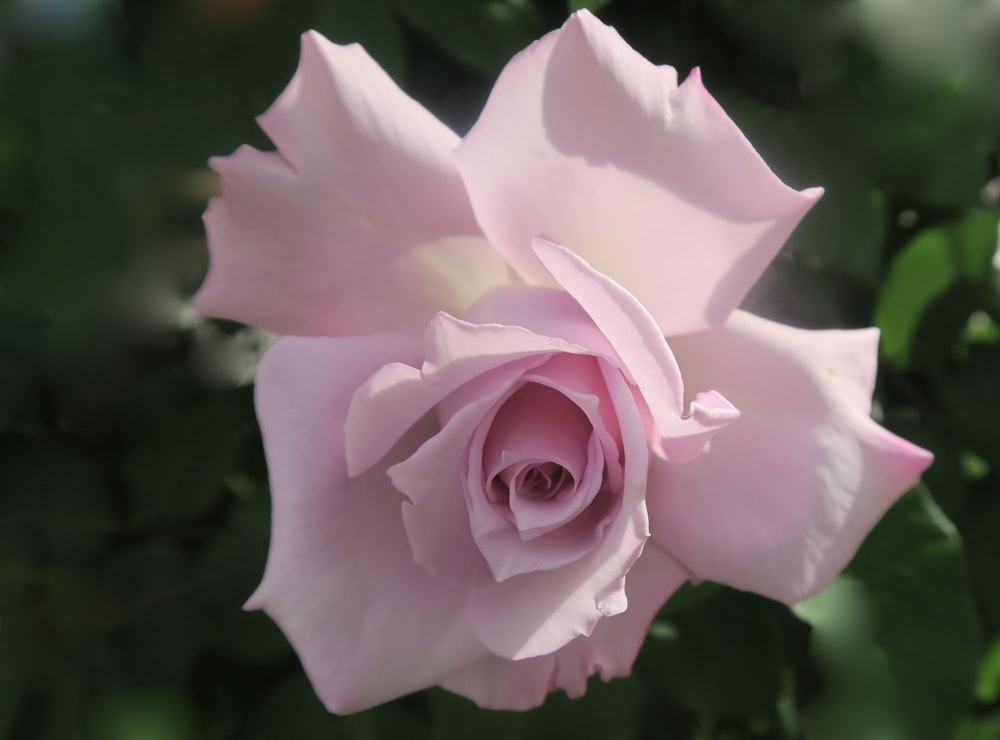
(539, 447)
(579, 379)
(560, 516)
(508, 552)
(543, 495)
(539, 481)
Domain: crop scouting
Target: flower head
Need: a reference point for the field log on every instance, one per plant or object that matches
(515, 405)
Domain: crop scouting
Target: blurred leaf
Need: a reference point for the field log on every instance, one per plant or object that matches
(854, 703)
(979, 530)
(980, 728)
(898, 632)
(164, 714)
(51, 488)
(845, 230)
(481, 34)
(925, 141)
(691, 595)
(370, 24)
(52, 713)
(592, 5)
(291, 709)
(941, 327)
(608, 710)
(806, 34)
(178, 470)
(20, 402)
(234, 563)
(988, 682)
(946, 478)
(715, 665)
(972, 395)
(924, 269)
(143, 604)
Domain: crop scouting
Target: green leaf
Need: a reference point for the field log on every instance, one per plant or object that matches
(178, 470)
(980, 728)
(158, 714)
(707, 661)
(979, 530)
(897, 635)
(233, 563)
(988, 682)
(592, 5)
(972, 395)
(54, 489)
(143, 602)
(924, 269)
(845, 230)
(481, 34)
(370, 24)
(291, 709)
(607, 710)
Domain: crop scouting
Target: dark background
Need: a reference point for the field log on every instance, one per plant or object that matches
(133, 490)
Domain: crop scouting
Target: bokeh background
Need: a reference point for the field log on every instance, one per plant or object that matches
(133, 492)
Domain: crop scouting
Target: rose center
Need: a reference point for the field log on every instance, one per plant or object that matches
(543, 482)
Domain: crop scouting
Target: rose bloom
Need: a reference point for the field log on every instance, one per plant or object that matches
(514, 406)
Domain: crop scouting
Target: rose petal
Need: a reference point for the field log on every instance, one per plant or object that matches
(432, 480)
(458, 352)
(538, 613)
(436, 514)
(368, 624)
(644, 353)
(540, 425)
(587, 143)
(785, 496)
(610, 650)
(505, 546)
(358, 223)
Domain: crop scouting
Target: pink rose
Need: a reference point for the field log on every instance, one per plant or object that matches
(516, 407)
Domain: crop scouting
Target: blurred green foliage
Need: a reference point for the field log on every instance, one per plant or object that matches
(132, 483)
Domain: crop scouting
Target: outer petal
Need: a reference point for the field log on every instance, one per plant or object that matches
(644, 353)
(586, 143)
(610, 650)
(786, 495)
(458, 352)
(431, 480)
(368, 624)
(358, 223)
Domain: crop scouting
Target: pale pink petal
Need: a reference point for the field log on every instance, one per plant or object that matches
(439, 477)
(551, 312)
(610, 650)
(582, 379)
(537, 613)
(534, 426)
(585, 142)
(786, 495)
(508, 549)
(564, 530)
(368, 624)
(458, 352)
(358, 223)
(436, 514)
(644, 354)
